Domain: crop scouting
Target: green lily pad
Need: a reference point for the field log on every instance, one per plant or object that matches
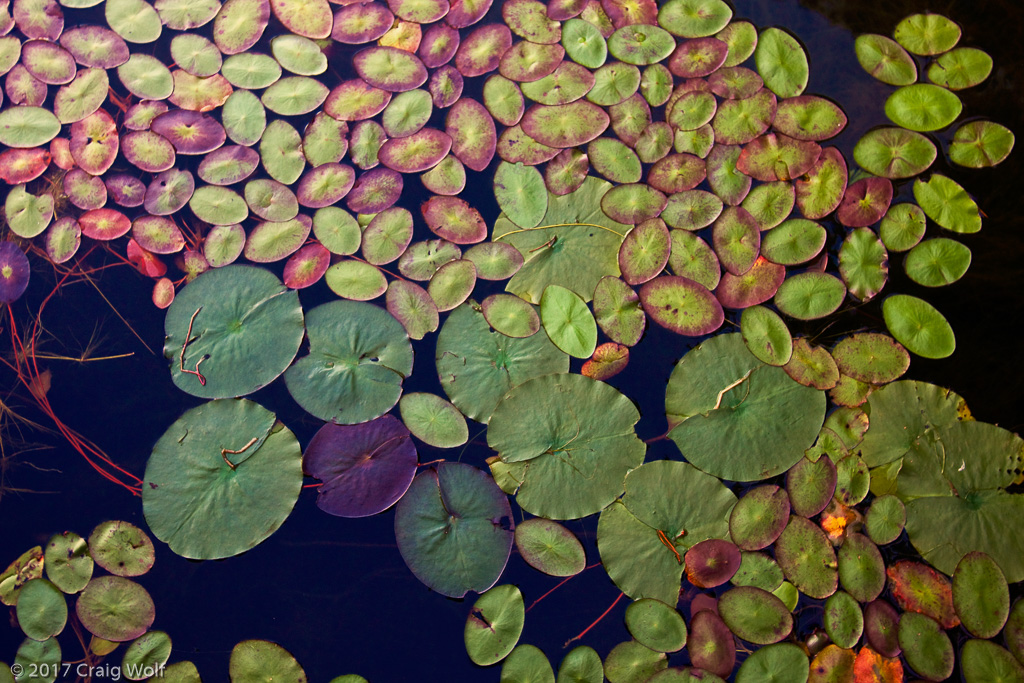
(809, 118)
(527, 664)
(766, 335)
(885, 59)
(618, 311)
(576, 434)
(68, 563)
(195, 54)
(251, 70)
(134, 20)
(247, 331)
(477, 366)
(926, 646)
(725, 179)
(253, 660)
(810, 295)
(871, 357)
(795, 241)
(44, 655)
(294, 95)
(630, 661)
(980, 595)
(923, 107)
(656, 625)
(885, 519)
(759, 517)
(902, 227)
(452, 284)
(961, 68)
(781, 62)
(549, 547)
(739, 420)
(770, 203)
(121, 548)
(755, 615)
(918, 326)
(42, 610)
(852, 480)
(781, 662)
(243, 476)
(115, 609)
(584, 43)
(758, 569)
(568, 322)
(147, 654)
(223, 245)
(521, 194)
(511, 316)
(574, 246)
(218, 205)
(894, 153)
(25, 127)
(983, 660)
(927, 34)
(736, 239)
(979, 144)
(412, 306)
(807, 558)
(452, 528)
(691, 257)
(863, 263)
(937, 262)
(298, 54)
(822, 190)
(948, 204)
(844, 621)
(359, 356)
(27, 214)
(494, 625)
(861, 569)
(812, 365)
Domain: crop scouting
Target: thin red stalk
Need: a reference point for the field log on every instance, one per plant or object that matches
(559, 585)
(596, 621)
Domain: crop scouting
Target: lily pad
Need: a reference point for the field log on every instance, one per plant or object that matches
(115, 608)
(494, 625)
(781, 62)
(979, 144)
(923, 107)
(681, 305)
(364, 469)
(766, 336)
(821, 191)
(885, 59)
(937, 262)
(68, 563)
(894, 153)
(121, 548)
(806, 556)
(42, 611)
(918, 326)
(810, 295)
(24, 127)
(755, 615)
(453, 529)
(926, 647)
(359, 356)
(980, 595)
(948, 204)
(863, 263)
(549, 547)
(927, 34)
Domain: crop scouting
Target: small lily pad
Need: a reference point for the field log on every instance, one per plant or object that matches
(894, 153)
(980, 595)
(494, 624)
(656, 625)
(923, 107)
(948, 204)
(918, 326)
(115, 608)
(809, 296)
(549, 547)
(979, 144)
(121, 548)
(755, 615)
(807, 558)
(937, 262)
(781, 62)
(885, 59)
(767, 337)
(863, 263)
(927, 34)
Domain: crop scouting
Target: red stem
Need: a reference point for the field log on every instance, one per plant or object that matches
(596, 621)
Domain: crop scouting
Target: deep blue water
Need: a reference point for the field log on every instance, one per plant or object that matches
(335, 592)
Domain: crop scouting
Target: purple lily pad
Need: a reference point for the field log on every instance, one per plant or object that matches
(157, 234)
(777, 157)
(711, 563)
(631, 12)
(482, 49)
(438, 45)
(566, 172)
(190, 132)
(419, 11)
(94, 142)
(24, 88)
(83, 190)
(463, 13)
(148, 151)
(22, 165)
(169, 192)
(14, 272)
(375, 191)
(95, 46)
(525, 61)
(865, 202)
(126, 190)
(565, 125)
(562, 10)
(677, 173)
(306, 266)
(711, 645)
(309, 18)
(42, 19)
(415, 153)
(681, 305)
(104, 224)
(471, 129)
(445, 86)
(365, 468)
(63, 239)
(390, 68)
(736, 239)
(735, 83)
(140, 115)
(698, 57)
(356, 100)
(361, 23)
(753, 287)
(325, 185)
(454, 219)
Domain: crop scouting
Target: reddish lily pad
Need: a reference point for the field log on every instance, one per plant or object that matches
(681, 305)
(777, 157)
(526, 61)
(375, 191)
(445, 86)
(169, 192)
(677, 173)
(812, 365)
(14, 272)
(454, 219)
(482, 49)
(736, 240)
(919, 588)
(566, 125)
(759, 517)
(63, 239)
(360, 23)
(645, 251)
(821, 191)
(157, 234)
(759, 284)
(566, 172)
(880, 623)
(417, 152)
(711, 562)
(190, 132)
(726, 181)
(807, 558)
(83, 190)
(633, 203)
(94, 142)
(41, 19)
(325, 185)
(711, 644)
(472, 133)
(438, 46)
(608, 360)
(104, 224)
(865, 202)
(735, 83)
(698, 57)
(22, 165)
(306, 266)
(48, 62)
(148, 151)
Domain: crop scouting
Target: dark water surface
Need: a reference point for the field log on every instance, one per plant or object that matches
(335, 592)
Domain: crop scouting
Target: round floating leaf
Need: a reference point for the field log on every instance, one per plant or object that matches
(27, 215)
(656, 625)
(565, 125)
(948, 204)
(961, 68)
(711, 562)
(809, 118)
(711, 644)
(359, 356)
(148, 653)
(865, 202)
(781, 662)
(755, 615)
(766, 335)
(796, 241)
(980, 595)
(885, 519)
(255, 660)
(472, 131)
(453, 219)
(412, 306)
(387, 236)
(246, 333)
(294, 95)
(694, 18)
(581, 665)
(41, 610)
(806, 556)
(872, 358)
(521, 194)
(114, 608)
(736, 239)
(926, 647)
(241, 477)
(812, 366)
(14, 272)
(811, 295)
(618, 311)
(577, 454)
(25, 126)
(927, 34)
(218, 205)
(364, 469)
(452, 529)
(511, 316)
(982, 660)
(885, 59)
(134, 20)
(631, 661)
(822, 190)
(306, 266)
(894, 153)
(693, 258)
(861, 569)
(733, 423)
(477, 366)
(584, 43)
(223, 244)
(568, 322)
(121, 548)
(979, 144)
(923, 107)
(681, 305)
(549, 547)
(902, 227)
(494, 625)
(759, 517)
(452, 284)
(781, 62)
(68, 563)
(863, 263)
(844, 621)
(527, 664)
(918, 326)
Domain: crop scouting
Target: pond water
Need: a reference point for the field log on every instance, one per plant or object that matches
(335, 592)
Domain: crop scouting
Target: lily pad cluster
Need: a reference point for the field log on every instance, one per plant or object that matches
(114, 610)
